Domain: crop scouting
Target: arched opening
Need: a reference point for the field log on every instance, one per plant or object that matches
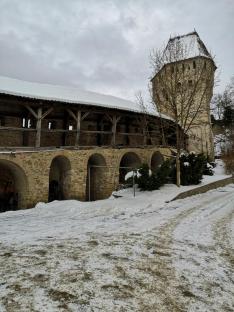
(95, 182)
(156, 160)
(128, 162)
(13, 186)
(59, 178)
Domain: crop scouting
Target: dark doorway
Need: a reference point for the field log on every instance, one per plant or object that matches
(156, 160)
(13, 186)
(96, 174)
(59, 179)
(130, 160)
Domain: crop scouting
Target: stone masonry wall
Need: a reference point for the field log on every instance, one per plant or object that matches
(35, 166)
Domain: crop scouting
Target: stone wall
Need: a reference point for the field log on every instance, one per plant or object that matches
(32, 170)
(205, 188)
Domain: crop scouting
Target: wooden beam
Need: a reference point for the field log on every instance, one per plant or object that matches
(96, 131)
(114, 120)
(72, 114)
(114, 123)
(85, 115)
(109, 117)
(16, 129)
(38, 134)
(47, 112)
(78, 126)
(57, 130)
(129, 133)
(31, 111)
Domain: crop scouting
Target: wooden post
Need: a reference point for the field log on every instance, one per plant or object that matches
(39, 116)
(78, 118)
(38, 134)
(78, 125)
(144, 137)
(114, 122)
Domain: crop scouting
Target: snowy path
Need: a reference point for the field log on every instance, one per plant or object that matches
(120, 255)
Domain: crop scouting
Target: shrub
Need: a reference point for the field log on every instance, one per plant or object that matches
(149, 181)
(192, 168)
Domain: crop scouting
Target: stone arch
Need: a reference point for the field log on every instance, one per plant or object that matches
(59, 178)
(96, 177)
(156, 160)
(13, 186)
(130, 160)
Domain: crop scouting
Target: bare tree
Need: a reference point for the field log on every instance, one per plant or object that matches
(223, 118)
(182, 87)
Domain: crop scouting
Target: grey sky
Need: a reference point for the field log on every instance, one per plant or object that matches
(104, 45)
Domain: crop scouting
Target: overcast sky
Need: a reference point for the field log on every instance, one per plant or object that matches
(104, 45)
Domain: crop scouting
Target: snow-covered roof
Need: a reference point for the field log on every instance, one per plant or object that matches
(63, 94)
(185, 47)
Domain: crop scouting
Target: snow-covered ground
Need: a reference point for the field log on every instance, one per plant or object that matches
(124, 254)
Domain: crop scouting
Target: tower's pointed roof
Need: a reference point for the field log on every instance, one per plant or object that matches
(185, 47)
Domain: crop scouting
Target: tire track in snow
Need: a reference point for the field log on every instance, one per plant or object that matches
(197, 256)
(221, 235)
(172, 292)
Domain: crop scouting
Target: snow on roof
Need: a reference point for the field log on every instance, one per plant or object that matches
(63, 94)
(71, 95)
(185, 47)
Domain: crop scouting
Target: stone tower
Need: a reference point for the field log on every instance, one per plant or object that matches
(183, 86)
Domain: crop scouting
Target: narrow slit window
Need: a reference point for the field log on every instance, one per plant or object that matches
(24, 122)
(29, 124)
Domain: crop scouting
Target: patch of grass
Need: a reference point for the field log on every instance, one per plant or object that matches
(41, 252)
(61, 296)
(7, 254)
(40, 278)
(188, 293)
(121, 271)
(87, 276)
(93, 243)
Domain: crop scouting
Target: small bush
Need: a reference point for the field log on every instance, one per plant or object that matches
(192, 168)
(149, 181)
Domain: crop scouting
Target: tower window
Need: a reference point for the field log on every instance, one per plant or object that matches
(194, 64)
(190, 83)
(205, 64)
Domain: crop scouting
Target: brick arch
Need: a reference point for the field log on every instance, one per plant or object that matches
(96, 177)
(59, 178)
(130, 160)
(156, 160)
(13, 186)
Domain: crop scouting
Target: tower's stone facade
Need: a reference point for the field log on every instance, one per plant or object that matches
(184, 85)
